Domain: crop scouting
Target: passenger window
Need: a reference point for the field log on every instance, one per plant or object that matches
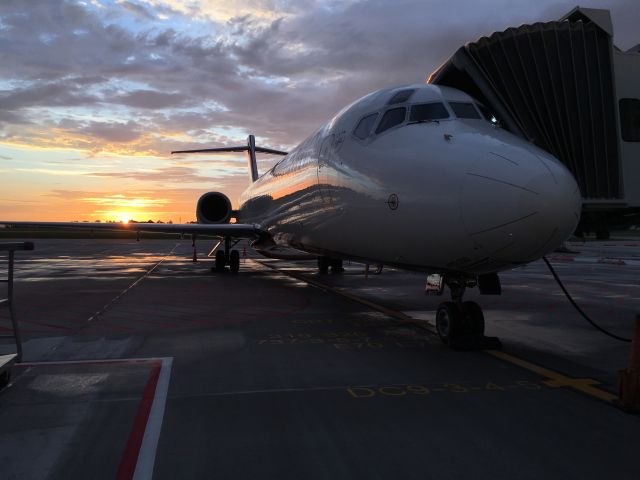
(464, 110)
(391, 118)
(428, 111)
(365, 125)
(401, 96)
(630, 119)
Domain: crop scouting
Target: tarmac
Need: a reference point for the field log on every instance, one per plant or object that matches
(139, 363)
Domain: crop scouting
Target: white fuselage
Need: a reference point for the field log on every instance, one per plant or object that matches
(453, 195)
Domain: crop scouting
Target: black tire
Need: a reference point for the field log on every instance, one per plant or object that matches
(336, 265)
(221, 261)
(5, 378)
(323, 264)
(234, 261)
(602, 233)
(474, 318)
(449, 322)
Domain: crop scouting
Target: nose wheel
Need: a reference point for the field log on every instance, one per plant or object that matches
(455, 321)
(460, 325)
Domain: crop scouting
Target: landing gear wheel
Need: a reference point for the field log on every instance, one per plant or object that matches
(234, 261)
(474, 318)
(221, 261)
(323, 264)
(336, 265)
(602, 233)
(449, 322)
(5, 378)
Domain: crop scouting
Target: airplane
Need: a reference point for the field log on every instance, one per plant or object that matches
(418, 177)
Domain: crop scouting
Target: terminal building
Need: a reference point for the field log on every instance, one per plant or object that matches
(566, 87)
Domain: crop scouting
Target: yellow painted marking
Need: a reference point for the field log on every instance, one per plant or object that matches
(404, 319)
(357, 392)
(392, 391)
(556, 380)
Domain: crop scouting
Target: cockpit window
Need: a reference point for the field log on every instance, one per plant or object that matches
(425, 112)
(391, 118)
(365, 125)
(464, 110)
(401, 96)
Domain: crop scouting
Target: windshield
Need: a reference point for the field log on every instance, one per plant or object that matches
(464, 110)
(427, 112)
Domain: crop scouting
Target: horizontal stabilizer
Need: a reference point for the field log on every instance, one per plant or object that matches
(250, 148)
(233, 149)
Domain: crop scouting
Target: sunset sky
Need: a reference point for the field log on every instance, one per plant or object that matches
(94, 94)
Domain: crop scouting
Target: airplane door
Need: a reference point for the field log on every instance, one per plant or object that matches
(324, 161)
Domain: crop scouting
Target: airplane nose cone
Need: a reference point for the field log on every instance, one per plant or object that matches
(558, 202)
(518, 205)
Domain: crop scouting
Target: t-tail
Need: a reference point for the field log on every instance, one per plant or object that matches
(250, 150)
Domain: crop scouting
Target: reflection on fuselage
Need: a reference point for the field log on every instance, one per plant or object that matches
(467, 196)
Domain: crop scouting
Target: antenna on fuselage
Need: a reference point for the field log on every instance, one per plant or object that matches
(250, 148)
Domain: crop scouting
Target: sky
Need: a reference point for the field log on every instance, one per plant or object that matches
(94, 94)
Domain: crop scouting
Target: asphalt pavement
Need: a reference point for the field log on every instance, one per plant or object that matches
(141, 363)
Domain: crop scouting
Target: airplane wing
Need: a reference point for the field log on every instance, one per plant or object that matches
(235, 230)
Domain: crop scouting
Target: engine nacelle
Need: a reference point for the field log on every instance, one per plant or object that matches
(213, 207)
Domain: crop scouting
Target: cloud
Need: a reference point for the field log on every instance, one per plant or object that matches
(54, 94)
(275, 68)
(112, 131)
(168, 174)
(125, 202)
(139, 78)
(153, 100)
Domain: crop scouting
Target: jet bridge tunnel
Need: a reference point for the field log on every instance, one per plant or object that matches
(555, 84)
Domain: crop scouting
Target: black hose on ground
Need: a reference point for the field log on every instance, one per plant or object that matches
(575, 305)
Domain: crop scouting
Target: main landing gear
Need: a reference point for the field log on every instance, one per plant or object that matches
(222, 260)
(460, 325)
(227, 257)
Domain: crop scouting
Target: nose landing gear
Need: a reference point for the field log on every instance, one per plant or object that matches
(460, 325)
(455, 321)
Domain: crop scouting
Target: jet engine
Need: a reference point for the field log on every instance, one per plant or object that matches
(213, 207)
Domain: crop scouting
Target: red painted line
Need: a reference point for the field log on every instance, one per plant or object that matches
(114, 361)
(115, 328)
(160, 325)
(49, 325)
(612, 261)
(561, 258)
(130, 456)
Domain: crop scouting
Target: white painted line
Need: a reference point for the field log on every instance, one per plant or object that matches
(115, 361)
(142, 277)
(147, 454)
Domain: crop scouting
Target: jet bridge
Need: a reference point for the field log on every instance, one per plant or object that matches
(559, 84)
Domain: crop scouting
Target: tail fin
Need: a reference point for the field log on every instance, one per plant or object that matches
(250, 148)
